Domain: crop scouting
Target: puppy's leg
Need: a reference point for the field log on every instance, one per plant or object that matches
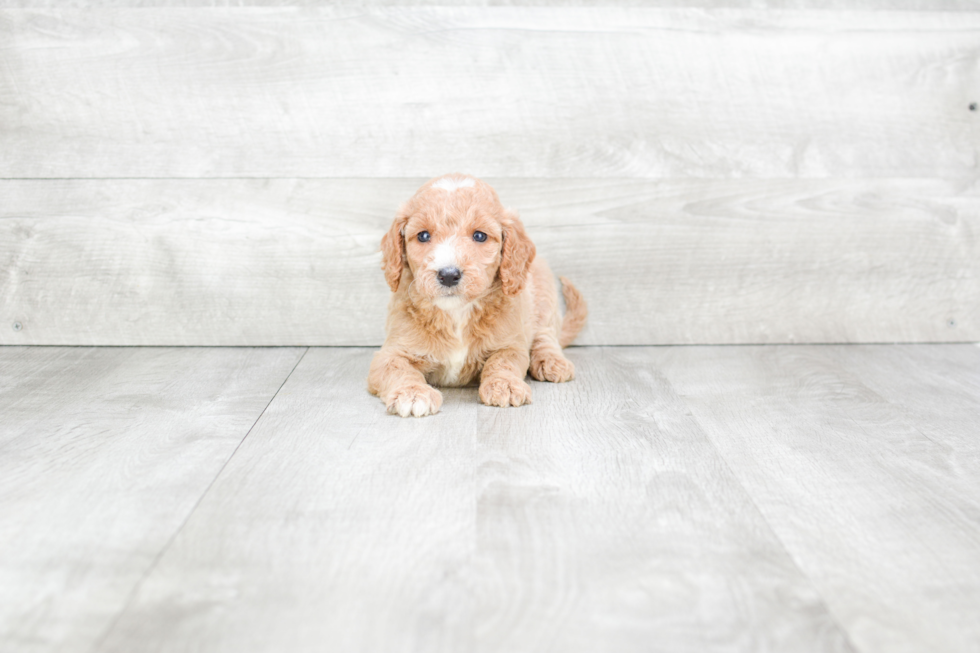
(502, 381)
(548, 363)
(397, 380)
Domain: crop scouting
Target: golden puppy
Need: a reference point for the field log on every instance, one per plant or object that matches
(470, 299)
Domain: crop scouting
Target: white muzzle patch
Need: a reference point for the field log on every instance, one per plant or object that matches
(444, 255)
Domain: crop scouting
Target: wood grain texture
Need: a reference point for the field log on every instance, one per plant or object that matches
(509, 92)
(296, 262)
(335, 527)
(339, 527)
(884, 517)
(805, 498)
(103, 454)
(607, 521)
(936, 388)
(850, 5)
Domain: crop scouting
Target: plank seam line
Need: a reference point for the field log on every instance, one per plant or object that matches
(159, 556)
(775, 535)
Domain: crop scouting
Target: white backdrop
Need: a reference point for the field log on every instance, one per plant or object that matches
(222, 176)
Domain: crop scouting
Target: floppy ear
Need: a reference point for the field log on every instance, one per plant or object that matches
(393, 251)
(516, 256)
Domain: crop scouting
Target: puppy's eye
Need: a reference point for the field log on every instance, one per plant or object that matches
(423, 236)
(479, 236)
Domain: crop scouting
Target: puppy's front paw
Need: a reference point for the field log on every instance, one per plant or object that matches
(505, 392)
(414, 400)
(556, 369)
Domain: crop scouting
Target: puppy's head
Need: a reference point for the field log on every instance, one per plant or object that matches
(454, 239)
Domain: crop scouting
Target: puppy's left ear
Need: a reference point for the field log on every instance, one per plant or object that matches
(516, 256)
(393, 250)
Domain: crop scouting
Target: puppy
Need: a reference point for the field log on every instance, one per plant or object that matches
(471, 300)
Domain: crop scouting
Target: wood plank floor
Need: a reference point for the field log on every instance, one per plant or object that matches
(758, 498)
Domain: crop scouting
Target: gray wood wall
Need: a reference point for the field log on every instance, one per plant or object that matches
(708, 173)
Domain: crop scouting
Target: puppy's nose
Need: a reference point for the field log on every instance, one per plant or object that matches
(449, 277)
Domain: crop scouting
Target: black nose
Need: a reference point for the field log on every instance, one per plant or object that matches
(449, 277)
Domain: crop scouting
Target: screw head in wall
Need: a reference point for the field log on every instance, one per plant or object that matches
(951, 324)
(18, 326)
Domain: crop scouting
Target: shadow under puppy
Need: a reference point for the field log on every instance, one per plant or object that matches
(470, 300)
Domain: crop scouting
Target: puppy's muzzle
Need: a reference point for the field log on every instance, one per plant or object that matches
(449, 277)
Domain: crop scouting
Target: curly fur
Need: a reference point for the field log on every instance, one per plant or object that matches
(501, 320)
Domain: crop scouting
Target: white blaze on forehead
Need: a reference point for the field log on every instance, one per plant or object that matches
(452, 183)
(444, 255)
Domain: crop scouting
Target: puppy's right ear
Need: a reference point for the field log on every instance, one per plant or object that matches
(393, 250)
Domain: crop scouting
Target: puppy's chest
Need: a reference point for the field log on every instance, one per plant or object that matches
(457, 358)
(454, 367)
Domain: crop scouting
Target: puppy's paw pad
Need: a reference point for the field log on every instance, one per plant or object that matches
(415, 401)
(505, 392)
(556, 369)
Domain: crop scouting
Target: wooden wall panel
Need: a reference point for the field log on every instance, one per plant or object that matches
(510, 92)
(296, 262)
(849, 5)
(221, 176)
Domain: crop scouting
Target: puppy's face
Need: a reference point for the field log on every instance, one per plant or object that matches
(456, 239)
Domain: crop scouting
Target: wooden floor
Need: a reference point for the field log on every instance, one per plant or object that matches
(775, 498)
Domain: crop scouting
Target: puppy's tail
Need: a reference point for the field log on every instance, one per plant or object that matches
(576, 310)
